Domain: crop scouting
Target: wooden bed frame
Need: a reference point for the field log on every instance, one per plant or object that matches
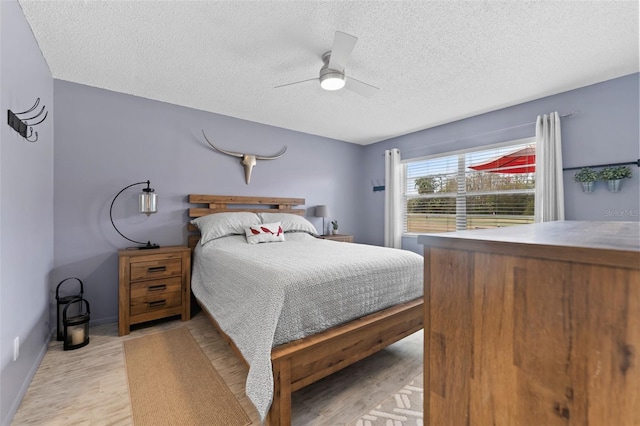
(304, 361)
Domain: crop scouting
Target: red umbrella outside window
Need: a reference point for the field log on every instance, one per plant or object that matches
(520, 161)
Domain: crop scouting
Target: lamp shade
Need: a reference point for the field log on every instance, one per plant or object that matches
(148, 201)
(322, 211)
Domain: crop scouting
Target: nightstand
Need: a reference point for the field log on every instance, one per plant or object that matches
(153, 284)
(338, 237)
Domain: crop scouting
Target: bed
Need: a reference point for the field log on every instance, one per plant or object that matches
(295, 308)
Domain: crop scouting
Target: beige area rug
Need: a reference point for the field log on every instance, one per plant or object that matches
(172, 382)
(403, 408)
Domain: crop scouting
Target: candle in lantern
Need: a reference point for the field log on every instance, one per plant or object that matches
(77, 335)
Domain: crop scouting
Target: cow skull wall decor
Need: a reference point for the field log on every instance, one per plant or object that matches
(247, 160)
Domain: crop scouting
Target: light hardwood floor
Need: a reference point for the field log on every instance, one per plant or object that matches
(88, 386)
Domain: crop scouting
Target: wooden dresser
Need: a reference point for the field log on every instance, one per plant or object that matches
(533, 325)
(154, 284)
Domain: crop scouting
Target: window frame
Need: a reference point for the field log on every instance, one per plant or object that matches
(513, 142)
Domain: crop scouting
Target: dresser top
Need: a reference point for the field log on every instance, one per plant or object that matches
(585, 234)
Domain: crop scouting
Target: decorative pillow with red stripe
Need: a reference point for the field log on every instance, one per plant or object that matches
(265, 233)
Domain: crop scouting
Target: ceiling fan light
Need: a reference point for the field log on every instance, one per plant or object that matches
(332, 81)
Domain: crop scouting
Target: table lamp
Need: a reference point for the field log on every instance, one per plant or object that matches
(322, 211)
(147, 204)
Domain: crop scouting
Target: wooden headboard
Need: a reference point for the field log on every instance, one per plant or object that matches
(233, 203)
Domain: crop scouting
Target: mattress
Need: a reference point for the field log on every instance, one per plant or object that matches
(264, 295)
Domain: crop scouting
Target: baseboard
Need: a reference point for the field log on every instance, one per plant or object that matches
(27, 381)
(101, 321)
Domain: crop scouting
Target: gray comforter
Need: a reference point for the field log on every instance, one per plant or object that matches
(264, 295)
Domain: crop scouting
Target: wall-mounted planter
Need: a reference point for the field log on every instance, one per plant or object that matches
(614, 175)
(611, 173)
(588, 187)
(614, 185)
(587, 177)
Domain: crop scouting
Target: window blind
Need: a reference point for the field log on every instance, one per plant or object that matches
(484, 188)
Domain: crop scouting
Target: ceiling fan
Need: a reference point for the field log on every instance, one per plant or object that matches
(332, 75)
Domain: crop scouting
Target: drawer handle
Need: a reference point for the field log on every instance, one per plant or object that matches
(157, 303)
(157, 287)
(157, 269)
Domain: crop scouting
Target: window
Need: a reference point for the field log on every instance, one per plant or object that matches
(485, 188)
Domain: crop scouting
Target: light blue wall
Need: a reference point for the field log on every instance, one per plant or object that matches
(604, 129)
(26, 210)
(106, 141)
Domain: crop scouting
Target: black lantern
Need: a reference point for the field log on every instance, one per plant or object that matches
(62, 302)
(76, 328)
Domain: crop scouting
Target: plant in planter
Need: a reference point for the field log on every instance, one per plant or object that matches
(587, 177)
(334, 224)
(614, 176)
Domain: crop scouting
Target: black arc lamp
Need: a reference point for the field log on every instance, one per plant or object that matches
(147, 204)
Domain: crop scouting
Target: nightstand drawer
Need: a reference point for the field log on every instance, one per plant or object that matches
(155, 269)
(155, 288)
(141, 305)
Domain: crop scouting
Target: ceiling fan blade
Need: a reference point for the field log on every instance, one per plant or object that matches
(343, 45)
(360, 87)
(297, 82)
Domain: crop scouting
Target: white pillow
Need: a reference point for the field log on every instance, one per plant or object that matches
(290, 222)
(265, 233)
(218, 225)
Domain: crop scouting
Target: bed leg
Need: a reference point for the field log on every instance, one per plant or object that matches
(280, 411)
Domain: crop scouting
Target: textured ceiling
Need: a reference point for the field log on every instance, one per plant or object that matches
(434, 61)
